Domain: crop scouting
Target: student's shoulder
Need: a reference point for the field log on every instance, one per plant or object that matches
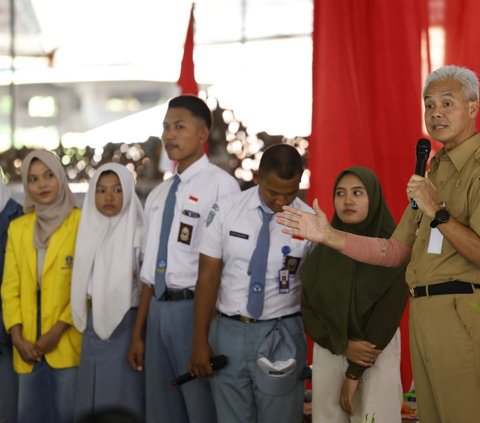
(13, 208)
(157, 190)
(234, 201)
(218, 173)
(27, 219)
(11, 211)
(215, 169)
(72, 221)
(300, 204)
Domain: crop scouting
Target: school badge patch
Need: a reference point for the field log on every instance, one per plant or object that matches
(185, 233)
(68, 263)
(212, 213)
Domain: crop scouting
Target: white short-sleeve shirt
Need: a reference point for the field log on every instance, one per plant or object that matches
(201, 185)
(231, 235)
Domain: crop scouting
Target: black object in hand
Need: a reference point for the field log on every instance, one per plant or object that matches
(217, 362)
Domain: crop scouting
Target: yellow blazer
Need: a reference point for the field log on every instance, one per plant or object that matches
(19, 288)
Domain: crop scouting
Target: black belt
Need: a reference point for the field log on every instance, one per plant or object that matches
(177, 295)
(246, 319)
(442, 288)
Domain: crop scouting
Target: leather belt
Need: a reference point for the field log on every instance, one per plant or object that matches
(246, 319)
(442, 288)
(177, 295)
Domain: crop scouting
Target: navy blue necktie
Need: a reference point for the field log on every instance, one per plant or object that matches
(168, 211)
(258, 268)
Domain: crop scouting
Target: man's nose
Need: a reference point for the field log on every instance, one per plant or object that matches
(281, 200)
(437, 110)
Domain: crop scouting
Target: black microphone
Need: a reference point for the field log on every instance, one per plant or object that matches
(423, 151)
(218, 362)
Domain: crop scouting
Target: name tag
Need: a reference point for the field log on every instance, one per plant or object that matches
(239, 235)
(190, 213)
(436, 241)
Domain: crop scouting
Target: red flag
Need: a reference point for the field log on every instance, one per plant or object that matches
(187, 81)
(187, 74)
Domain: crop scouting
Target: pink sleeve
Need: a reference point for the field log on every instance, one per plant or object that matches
(378, 251)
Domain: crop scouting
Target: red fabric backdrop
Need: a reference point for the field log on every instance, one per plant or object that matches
(462, 33)
(367, 99)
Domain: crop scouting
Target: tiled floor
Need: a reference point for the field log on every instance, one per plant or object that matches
(307, 418)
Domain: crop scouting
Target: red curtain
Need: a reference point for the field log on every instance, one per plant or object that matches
(462, 41)
(462, 33)
(367, 99)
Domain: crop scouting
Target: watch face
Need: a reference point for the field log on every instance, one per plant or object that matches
(442, 215)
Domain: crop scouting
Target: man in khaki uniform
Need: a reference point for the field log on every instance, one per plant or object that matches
(441, 240)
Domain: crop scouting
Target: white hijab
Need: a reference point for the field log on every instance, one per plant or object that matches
(4, 195)
(104, 256)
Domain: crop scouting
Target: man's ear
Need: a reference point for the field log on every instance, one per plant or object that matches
(473, 108)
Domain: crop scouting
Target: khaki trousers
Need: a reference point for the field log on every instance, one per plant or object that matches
(445, 351)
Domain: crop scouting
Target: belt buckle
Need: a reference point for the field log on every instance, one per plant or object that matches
(246, 319)
(412, 292)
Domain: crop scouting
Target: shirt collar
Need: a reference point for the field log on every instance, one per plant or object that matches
(256, 201)
(460, 154)
(196, 167)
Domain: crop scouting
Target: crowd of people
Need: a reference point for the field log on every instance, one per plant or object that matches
(194, 308)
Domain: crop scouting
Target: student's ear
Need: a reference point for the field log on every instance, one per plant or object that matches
(256, 177)
(203, 135)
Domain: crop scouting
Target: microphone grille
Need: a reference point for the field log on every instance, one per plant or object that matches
(423, 145)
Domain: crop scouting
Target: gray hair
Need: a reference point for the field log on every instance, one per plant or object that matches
(465, 76)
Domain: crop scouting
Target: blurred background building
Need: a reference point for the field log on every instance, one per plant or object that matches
(90, 79)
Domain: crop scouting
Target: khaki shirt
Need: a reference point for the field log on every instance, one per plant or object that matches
(456, 175)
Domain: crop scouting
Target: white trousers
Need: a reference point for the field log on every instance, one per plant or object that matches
(379, 392)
